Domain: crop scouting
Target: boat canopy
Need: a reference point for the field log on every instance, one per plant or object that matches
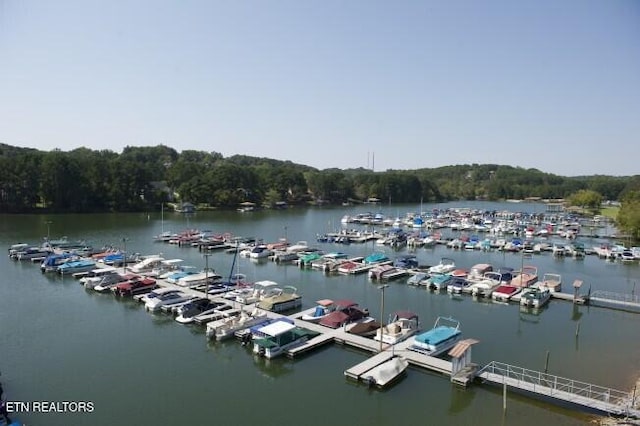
(277, 328)
(405, 315)
(345, 303)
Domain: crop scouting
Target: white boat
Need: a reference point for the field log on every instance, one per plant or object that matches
(200, 278)
(260, 289)
(144, 298)
(216, 314)
(386, 373)
(403, 325)
(94, 276)
(551, 281)
(104, 281)
(446, 265)
(167, 298)
(477, 271)
(107, 284)
(147, 264)
(535, 297)
(284, 300)
(418, 279)
(323, 308)
(487, 285)
(228, 326)
(75, 266)
(31, 253)
(279, 337)
(442, 337)
(260, 252)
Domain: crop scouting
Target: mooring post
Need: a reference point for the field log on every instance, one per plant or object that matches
(504, 396)
(546, 364)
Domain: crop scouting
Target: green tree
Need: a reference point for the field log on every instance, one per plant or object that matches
(586, 198)
(629, 215)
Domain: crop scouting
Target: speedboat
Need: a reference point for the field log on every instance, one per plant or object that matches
(403, 325)
(323, 308)
(134, 286)
(154, 304)
(69, 268)
(386, 373)
(280, 337)
(442, 337)
(144, 298)
(458, 285)
(439, 281)
(418, 279)
(366, 327)
(446, 265)
(190, 310)
(109, 284)
(104, 281)
(485, 287)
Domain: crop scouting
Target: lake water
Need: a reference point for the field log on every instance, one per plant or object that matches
(60, 342)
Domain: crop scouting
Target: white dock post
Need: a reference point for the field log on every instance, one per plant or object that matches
(504, 396)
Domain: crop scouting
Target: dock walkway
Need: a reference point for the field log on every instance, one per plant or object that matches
(588, 395)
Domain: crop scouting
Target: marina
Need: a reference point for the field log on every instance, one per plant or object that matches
(426, 303)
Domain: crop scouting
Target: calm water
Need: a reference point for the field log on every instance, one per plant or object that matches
(60, 342)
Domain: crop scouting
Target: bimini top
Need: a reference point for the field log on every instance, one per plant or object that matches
(276, 328)
(437, 335)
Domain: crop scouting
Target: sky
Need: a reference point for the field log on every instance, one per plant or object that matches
(546, 84)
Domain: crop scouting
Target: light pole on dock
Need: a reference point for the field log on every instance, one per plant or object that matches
(382, 289)
(206, 273)
(124, 255)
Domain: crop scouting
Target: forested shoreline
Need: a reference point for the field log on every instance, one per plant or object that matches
(141, 178)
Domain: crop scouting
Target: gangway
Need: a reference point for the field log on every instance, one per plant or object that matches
(592, 396)
(623, 300)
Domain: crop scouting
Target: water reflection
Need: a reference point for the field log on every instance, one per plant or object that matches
(273, 368)
(460, 399)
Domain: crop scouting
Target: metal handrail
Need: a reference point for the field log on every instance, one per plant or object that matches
(554, 383)
(621, 297)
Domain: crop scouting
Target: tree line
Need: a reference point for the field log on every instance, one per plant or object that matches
(140, 178)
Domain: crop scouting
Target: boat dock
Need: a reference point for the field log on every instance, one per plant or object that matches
(460, 369)
(358, 370)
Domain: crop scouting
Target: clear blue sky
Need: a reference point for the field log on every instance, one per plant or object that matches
(547, 84)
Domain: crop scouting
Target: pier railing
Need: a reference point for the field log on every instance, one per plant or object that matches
(607, 399)
(616, 297)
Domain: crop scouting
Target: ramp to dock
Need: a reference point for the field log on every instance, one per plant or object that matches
(594, 397)
(610, 299)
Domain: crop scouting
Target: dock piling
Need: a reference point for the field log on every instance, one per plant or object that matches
(546, 364)
(504, 397)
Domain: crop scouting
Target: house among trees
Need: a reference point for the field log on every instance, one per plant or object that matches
(185, 208)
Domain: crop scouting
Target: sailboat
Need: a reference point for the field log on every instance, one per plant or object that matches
(164, 236)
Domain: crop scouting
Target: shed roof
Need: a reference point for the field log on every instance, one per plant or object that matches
(462, 346)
